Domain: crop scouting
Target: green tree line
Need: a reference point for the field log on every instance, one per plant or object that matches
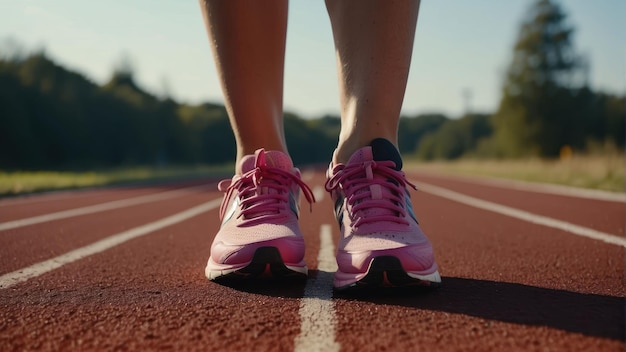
(546, 101)
(53, 118)
(546, 104)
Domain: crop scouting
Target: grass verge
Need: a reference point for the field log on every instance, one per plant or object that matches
(604, 172)
(13, 183)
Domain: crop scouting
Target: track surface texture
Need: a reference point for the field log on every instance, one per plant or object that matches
(123, 269)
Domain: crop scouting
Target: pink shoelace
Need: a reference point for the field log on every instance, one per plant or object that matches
(264, 192)
(372, 185)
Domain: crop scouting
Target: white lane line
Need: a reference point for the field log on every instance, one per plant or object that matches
(317, 310)
(536, 187)
(318, 193)
(307, 175)
(560, 190)
(40, 268)
(523, 215)
(116, 204)
(51, 196)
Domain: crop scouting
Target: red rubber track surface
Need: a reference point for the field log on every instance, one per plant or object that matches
(596, 214)
(507, 284)
(35, 205)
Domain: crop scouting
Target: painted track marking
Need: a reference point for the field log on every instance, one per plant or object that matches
(307, 176)
(318, 193)
(522, 215)
(317, 310)
(545, 188)
(116, 204)
(52, 196)
(40, 268)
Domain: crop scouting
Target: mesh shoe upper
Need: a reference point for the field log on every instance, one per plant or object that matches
(374, 211)
(261, 208)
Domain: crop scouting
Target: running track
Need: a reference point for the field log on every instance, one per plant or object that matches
(524, 268)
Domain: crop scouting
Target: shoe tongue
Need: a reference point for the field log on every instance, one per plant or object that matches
(379, 149)
(273, 158)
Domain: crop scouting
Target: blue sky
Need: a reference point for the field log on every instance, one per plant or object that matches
(460, 45)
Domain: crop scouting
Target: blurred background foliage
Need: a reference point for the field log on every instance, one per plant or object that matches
(52, 118)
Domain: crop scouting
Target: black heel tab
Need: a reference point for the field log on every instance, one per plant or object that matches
(383, 149)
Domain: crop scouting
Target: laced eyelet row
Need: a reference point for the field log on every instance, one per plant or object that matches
(266, 206)
(355, 181)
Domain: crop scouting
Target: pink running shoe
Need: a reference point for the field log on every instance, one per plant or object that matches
(381, 243)
(260, 235)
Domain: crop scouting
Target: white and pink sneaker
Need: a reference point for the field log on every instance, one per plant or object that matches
(381, 243)
(259, 234)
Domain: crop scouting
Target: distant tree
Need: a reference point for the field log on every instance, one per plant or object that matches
(11, 49)
(412, 130)
(615, 110)
(539, 100)
(53, 118)
(330, 125)
(309, 142)
(607, 117)
(455, 138)
(124, 71)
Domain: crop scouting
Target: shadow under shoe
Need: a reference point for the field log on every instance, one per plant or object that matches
(386, 274)
(266, 263)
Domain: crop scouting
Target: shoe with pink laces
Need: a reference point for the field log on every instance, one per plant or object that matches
(259, 235)
(381, 243)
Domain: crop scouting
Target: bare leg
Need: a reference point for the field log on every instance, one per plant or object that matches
(374, 42)
(248, 41)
